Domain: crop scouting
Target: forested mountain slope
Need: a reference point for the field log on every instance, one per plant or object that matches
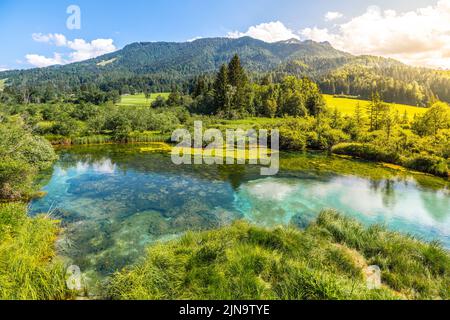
(157, 66)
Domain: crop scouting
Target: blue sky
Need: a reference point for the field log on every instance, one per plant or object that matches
(27, 26)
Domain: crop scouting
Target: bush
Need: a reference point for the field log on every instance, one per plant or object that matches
(366, 151)
(22, 155)
(430, 164)
(15, 179)
(292, 140)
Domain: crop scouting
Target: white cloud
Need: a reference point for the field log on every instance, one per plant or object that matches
(42, 61)
(333, 15)
(420, 37)
(80, 49)
(268, 32)
(86, 50)
(55, 38)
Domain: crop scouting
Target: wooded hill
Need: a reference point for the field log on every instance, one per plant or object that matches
(158, 66)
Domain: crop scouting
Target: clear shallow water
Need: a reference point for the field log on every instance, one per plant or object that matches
(114, 201)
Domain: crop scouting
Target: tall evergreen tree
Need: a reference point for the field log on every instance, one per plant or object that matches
(238, 79)
(236, 74)
(221, 89)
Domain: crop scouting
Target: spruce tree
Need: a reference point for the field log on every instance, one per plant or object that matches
(238, 79)
(221, 89)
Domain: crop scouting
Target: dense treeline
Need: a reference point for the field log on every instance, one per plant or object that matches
(233, 96)
(399, 84)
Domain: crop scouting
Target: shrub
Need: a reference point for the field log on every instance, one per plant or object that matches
(427, 163)
(292, 140)
(366, 151)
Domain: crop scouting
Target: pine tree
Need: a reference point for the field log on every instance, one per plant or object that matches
(201, 87)
(236, 74)
(358, 115)
(221, 89)
(237, 79)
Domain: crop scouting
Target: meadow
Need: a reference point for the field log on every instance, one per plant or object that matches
(347, 106)
(140, 99)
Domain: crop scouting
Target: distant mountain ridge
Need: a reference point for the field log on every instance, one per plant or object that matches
(161, 64)
(199, 56)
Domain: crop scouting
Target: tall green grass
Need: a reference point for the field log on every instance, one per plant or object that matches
(134, 137)
(28, 267)
(325, 261)
(420, 162)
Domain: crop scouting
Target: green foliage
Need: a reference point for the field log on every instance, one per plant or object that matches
(396, 82)
(234, 97)
(28, 270)
(436, 118)
(22, 155)
(325, 261)
(427, 163)
(366, 151)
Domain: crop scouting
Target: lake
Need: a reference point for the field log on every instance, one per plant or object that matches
(115, 200)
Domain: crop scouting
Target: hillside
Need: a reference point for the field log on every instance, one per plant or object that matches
(179, 60)
(158, 65)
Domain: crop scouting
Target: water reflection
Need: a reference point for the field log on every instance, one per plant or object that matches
(115, 200)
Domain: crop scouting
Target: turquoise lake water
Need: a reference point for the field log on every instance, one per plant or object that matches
(114, 201)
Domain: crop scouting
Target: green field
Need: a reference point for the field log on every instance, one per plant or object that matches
(140, 100)
(347, 106)
(2, 84)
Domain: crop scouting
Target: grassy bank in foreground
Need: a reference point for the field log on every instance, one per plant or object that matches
(28, 270)
(328, 260)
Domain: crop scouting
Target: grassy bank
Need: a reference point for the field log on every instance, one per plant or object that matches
(28, 268)
(420, 162)
(328, 260)
(133, 137)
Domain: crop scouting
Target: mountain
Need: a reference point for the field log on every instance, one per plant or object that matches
(159, 65)
(183, 59)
